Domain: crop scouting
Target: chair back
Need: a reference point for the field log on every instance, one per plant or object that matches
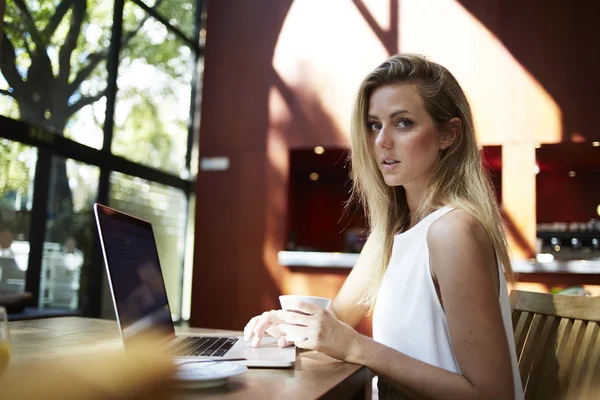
(558, 345)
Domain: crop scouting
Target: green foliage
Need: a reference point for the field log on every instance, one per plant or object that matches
(153, 142)
(179, 13)
(94, 36)
(9, 107)
(16, 163)
(153, 43)
(54, 65)
(14, 168)
(40, 31)
(160, 135)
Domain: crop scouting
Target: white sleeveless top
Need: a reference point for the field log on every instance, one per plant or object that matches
(408, 315)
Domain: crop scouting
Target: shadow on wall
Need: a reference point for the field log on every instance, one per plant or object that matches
(309, 123)
(518, 237)
(231, 283)
(556, 42)
(305, 125)
(389, 38)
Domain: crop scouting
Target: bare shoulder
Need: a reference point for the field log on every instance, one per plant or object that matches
(458, 236)
(465, 270)
(455, 227)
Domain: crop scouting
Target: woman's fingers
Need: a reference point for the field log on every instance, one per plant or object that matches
(249, 328)
(295, 331)
(291, 317)
(282, 342)
(264, 322)
(269, 322)
(305, 308)
(274, 331)
(305, 344)
(259, 324)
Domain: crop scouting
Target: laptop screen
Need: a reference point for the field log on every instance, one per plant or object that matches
(134, 271)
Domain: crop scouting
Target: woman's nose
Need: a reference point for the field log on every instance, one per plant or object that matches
(383, 138)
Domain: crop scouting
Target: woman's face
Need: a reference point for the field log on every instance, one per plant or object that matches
(404, 138)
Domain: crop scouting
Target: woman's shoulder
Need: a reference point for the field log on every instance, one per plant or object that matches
(454, 228)
(458, 244)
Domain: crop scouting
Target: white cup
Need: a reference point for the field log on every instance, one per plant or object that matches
(288, 302)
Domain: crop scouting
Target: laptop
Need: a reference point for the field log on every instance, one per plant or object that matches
(140, 298)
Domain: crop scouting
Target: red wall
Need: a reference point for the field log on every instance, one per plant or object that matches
(230, 282)
(317, 215)
(565, 199)
(241, 213)
(557, 42)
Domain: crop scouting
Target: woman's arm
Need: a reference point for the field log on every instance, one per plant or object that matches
(463, 261)
(346, 306)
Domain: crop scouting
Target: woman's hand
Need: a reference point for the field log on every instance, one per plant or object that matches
(322, 330)
(269, 323)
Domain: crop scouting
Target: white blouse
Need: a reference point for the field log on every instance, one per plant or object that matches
(408, 315)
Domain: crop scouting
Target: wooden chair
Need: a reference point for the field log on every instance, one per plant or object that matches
(558, 345)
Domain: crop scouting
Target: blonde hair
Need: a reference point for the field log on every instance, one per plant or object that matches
(459, 179)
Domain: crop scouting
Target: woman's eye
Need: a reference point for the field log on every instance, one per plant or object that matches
(404, 123)
(373, 126)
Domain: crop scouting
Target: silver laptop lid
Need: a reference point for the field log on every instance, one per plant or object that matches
(134, 274)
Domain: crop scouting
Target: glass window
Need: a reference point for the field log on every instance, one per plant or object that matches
(69, 236)
(17, 169)
(166, 208)
(153, 101)
(186, 301)
(179, 13)
(8, 105)
(61, 87)
(195, 148)
(54, 76)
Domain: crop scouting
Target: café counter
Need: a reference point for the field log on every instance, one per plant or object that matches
(348, 260)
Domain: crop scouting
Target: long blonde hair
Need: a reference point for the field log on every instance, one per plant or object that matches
(459, 179)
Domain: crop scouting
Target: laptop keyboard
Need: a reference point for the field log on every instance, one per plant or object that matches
(204, 346)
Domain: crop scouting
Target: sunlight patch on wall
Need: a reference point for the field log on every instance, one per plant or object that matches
(325, 49)
(323, 284)
(509, 104)
(279, 116)
(277, 176)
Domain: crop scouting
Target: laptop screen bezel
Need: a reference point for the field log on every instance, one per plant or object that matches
(104, 211)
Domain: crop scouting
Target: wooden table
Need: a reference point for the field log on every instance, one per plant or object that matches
(314, 375)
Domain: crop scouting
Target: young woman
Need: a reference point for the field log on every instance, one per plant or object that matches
(432, 270)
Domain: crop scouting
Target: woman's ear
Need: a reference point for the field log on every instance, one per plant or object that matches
(450, 132)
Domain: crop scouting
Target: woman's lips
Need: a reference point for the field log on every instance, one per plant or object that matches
(389, 165)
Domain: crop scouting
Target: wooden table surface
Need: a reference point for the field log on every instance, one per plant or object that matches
(314, 375)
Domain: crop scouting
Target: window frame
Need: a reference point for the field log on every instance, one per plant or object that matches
(49, 144)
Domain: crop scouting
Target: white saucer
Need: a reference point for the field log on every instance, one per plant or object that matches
(206, 374)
